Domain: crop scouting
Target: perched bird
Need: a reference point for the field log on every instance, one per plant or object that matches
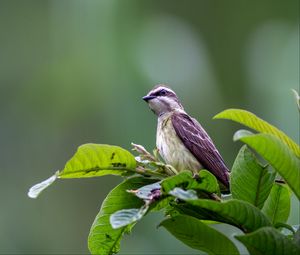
(180, 139)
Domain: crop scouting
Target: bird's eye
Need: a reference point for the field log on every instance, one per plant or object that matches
(162, 92)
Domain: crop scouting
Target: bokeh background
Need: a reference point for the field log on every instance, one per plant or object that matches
(73, 72)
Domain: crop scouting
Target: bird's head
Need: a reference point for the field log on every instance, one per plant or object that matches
(162, 99)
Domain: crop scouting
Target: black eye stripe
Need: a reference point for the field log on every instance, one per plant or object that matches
(163, 92)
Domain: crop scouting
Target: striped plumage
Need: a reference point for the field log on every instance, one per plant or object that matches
(180, 139)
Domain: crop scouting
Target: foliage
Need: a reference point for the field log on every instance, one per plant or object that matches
(259, 206)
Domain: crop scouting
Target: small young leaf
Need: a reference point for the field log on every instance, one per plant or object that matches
(268, 241)
(93, 160)
(149, 192)
(125, 217)
(277, 206)
(103, 239)
(250, 181)
(234, 212)
(198, 235)
(277, 154)
(251, 120)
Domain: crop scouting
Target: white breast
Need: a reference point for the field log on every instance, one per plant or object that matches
(171, 148)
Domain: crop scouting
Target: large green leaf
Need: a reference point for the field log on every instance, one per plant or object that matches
(234, 212)
(251, 120)
(268, 241)
(277, 206)
(103, 239)
(198, 235)
(277, 153)
(93, 160)
(205, 182)
(249, 180)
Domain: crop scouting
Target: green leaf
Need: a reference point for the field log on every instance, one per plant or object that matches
(93, 160)
(234, 212)
(285, 229)
(268, 241)
(160, 204)
(249, 180)
(103, 239)
(198, 235)
(183, 194)
(205, 182)
(277, 206)
(277, 154)
(125, 217)
(251, 120)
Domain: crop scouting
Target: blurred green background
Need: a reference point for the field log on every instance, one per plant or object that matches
(73, 72)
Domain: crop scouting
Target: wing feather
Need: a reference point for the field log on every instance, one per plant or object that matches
(198, 142)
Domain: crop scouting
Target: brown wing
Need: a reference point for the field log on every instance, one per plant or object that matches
(200, 145)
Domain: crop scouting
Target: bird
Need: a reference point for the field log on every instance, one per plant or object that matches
(180, 139)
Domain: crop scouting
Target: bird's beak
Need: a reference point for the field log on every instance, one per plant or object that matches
(148, 98)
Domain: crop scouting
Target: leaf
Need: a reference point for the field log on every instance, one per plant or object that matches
(296, 238)
(297, 98)
(149, 192)
(180, 180)
(277, 154)
(160, 204)
(250, 181)
(234, 212)
(206, 182)
(251, 120)
(125, 217)
(268, 241)
(285, 229)
(103, 239)
(277, 206)
(93, 160)
(152, 196)
(36, 190)
(198, 235)
(183, 194)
